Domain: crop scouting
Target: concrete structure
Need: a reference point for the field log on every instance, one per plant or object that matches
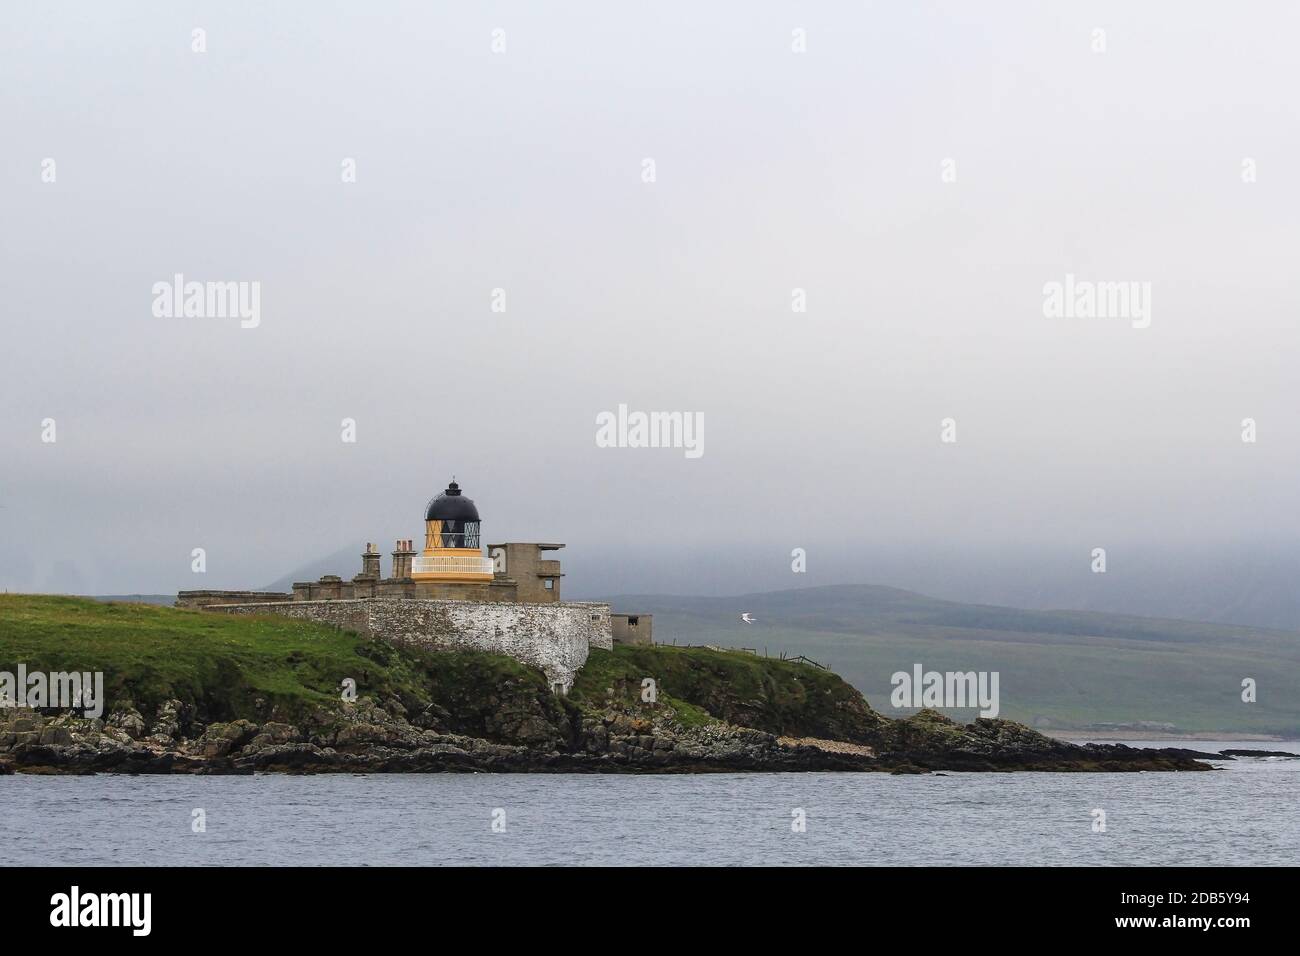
(536, 577)
(449, 595)
(632, 628)
(553, 637)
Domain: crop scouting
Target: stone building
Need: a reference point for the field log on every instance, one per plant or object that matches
(449, 594)
(537, 578)
(632, 628)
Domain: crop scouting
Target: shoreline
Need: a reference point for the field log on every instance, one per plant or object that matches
(1072, 736)
(363, 737)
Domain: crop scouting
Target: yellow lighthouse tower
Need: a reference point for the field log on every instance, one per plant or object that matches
(452, 552)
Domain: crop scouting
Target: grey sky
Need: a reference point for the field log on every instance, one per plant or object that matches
(522, 171)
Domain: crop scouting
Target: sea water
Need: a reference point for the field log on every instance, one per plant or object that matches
(1244, 813)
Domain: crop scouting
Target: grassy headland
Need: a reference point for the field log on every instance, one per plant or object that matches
(231, 667)
(189, 691)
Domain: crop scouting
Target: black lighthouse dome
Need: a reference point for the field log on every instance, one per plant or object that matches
(451, 520)
(451, 505)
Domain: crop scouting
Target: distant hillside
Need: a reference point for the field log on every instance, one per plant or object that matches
(345, 563)
(1058, 669)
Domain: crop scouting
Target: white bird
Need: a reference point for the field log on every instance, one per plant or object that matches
(746, 618)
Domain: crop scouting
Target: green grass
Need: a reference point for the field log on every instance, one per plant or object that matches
(224, 665)
(779, 697)
(1057, 670)
(271, 666)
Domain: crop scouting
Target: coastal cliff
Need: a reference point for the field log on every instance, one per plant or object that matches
(186, 692)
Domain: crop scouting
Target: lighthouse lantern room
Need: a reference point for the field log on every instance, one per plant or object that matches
(452, 550)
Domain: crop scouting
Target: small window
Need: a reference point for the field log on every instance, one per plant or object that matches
(550, 584)
(631, 620)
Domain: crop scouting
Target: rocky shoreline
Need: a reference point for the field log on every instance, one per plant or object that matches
(186, 692)
(369, 737)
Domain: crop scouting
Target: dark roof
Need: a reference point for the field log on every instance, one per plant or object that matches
(451, 505)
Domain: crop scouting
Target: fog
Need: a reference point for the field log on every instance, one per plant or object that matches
(921, 172)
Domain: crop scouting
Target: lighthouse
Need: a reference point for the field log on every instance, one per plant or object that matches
(452, 550)
(450, 594)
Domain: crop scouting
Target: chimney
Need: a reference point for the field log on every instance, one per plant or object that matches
(402, 555)
(370, 562)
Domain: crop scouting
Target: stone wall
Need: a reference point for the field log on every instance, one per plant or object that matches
(334, 588)
(552, 637)
(499, 588)
(204, 598)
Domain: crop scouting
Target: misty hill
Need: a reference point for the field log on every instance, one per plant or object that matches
(1239, 585)
(1058, 669)
(345, 562)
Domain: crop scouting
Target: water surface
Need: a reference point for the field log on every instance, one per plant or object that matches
(1245, 814)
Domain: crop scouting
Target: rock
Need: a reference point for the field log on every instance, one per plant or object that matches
(1285, 754)
(515, 726)
(295, 756)
(932, 741)
(597, 739)
(273, 735)
(56, 737)
(433, 717)
(42, 755)
(354, 736)
(220, 739)
(624, 725)
(116, 734)
(169, 718)
(129, 721)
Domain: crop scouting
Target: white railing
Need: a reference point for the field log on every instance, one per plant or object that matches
(449, 565)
